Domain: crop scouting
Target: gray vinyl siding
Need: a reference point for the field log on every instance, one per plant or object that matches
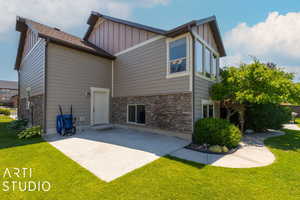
(201, 92)
(142, 71)
(32, 71)
(70, 74)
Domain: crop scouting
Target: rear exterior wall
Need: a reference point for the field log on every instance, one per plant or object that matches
(70, 75)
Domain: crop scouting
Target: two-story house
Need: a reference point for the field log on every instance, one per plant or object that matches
(121, 73)
(8, 92)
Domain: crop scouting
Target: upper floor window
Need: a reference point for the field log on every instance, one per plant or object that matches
(215, 65)
(177, 59)
(199, 57)
(206, 61)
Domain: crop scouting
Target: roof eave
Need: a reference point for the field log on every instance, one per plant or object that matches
(181, 29)
(92, 20)
(95, 15)
(22, 28)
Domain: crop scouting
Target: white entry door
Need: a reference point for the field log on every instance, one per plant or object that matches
(100, 107)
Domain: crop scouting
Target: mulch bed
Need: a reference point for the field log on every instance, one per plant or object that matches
(204, 149)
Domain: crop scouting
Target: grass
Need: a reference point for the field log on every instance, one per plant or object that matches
(165, 178)
(297, 120)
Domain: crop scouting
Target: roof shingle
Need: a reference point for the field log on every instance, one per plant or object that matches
(57, 36)
(8, 85)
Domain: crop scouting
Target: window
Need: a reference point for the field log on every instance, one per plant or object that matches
(207, 62)
(214, 66)
(207, 109)
(177, 56)
(131, 113)
(199, 57)
(136, 114)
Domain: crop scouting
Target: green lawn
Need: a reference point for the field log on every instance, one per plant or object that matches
(165, 178)
(297, 120)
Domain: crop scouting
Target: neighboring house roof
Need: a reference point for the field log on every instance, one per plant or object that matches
(13, 85)
(56, 36)
(212, 21)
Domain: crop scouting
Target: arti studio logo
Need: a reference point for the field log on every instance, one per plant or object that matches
(19, 179)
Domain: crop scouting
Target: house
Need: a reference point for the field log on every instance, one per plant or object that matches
(8, 89)
(121, 73)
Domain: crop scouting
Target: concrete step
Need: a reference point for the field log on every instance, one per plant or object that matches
(101, 127)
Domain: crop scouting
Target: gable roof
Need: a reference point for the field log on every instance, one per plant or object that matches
(8, 85)
(212, 21)
(56, 36)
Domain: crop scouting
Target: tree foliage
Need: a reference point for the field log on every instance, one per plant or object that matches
(254, 83)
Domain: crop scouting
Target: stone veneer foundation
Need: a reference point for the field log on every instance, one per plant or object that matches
(37, 108)
(171, 112)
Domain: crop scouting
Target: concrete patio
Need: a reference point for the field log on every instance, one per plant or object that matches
(109, 154)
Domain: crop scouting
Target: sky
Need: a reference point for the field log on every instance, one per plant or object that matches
(267, 30)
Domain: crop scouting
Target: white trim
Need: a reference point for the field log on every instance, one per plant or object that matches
(34, 46)
(140, 44)
(135, 123)
(205, 78)
(93, 90)
(178, 74)
(212, 53)
(208, 103)
(112, 78)
(192, 64)
(188, 57)
(198, 37)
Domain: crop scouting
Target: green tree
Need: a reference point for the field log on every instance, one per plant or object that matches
(254, 83)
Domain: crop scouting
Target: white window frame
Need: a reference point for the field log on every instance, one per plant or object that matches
(135, 123)
(188, 45)
(208, 103)
(213, 52)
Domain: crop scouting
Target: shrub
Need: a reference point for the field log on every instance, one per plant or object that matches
(4, 111)
(214, 131)
(261, 117)
(18, 124)
(35, 131)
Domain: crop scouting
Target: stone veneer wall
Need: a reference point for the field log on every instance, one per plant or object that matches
(38, 110)
(172, 112)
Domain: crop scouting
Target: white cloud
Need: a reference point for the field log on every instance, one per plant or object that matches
(276, 39)
(66, 13)
(278, 34)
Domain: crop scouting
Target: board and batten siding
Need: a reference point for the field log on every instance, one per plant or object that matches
(70, 74)
(205, 32)
(116, 37)
(201, 92)
(142, 71)
(32, 70)
(31, 39)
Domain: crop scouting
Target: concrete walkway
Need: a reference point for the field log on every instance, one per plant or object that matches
(292, 127)
(112, 153)
(253, 153)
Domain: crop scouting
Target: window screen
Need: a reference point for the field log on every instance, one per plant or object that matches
(131, 113)
(136, 114)
(177, 55)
